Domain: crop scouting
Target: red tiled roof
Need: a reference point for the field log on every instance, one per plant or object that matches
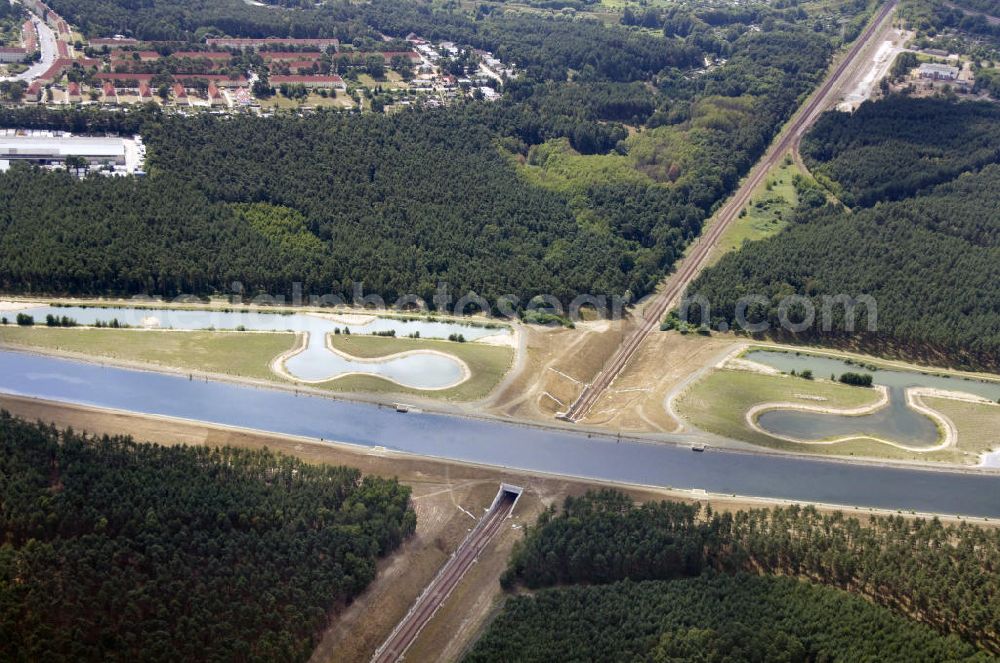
(62, 49)
(386, 55)
(57, 68)
(221, 79)
(73, 89)
(302, 64)
(29, 36)
(179, 91)
(109, 88)
(12, 49)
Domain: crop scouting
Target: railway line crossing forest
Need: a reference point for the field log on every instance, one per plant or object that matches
(605, 166)
(923, 237)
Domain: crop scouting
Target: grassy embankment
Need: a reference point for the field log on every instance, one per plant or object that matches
(237, 354)
(765, 215)
(718, 404)
(249, 354)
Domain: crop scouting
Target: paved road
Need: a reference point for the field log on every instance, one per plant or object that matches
(692, 264)
(47, 45)
(444, 583)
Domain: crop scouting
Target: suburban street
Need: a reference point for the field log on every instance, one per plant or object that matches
(47, 45)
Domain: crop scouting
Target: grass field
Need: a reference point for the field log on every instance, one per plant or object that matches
(313, 100)
(978, 426)
(488, 364)
(249, 354)
(231, 353)
(719, 402)
(765, 215)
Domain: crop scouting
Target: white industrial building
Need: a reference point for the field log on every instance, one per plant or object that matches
(52, 149)
(937, 72)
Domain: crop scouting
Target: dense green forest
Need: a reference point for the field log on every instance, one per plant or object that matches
(930, 257)
(403, 202)
(894, 148)
(117, 551)
(396, 202)
(709, 619)
(945, 576)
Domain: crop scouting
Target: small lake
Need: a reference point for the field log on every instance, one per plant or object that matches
(896, 422)
(315, 363)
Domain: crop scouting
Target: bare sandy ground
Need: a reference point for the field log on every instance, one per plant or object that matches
(8, 305)
(500, 339)
(346, 318)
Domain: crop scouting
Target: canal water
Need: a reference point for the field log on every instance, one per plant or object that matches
(501, 444)
(315, 363)
(897, 422)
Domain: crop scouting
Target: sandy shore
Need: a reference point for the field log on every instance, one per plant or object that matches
(9, 306)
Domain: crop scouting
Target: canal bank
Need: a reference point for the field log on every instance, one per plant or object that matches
(505, 445)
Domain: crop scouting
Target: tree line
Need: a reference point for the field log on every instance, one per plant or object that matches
(894, 148)
(709, 619)
(945, 576)
(112, 550)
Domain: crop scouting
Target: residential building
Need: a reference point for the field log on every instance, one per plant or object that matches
(12, 54)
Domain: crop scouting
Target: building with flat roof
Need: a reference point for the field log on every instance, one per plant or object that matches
(937, 72)
(53, 150)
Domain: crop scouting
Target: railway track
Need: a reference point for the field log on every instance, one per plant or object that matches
(692, 264)
(444, 583)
